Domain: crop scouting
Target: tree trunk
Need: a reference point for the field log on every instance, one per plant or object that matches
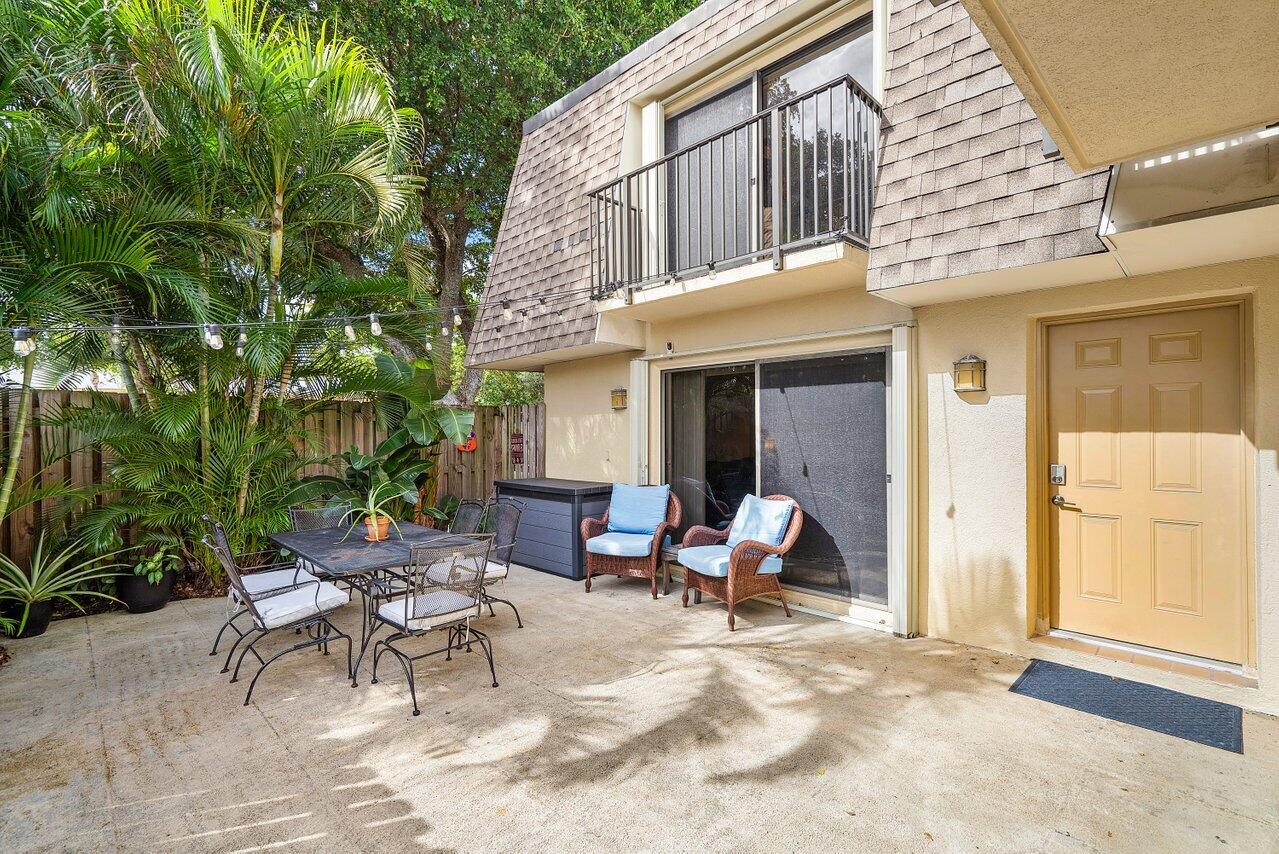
(274, 311)
(206, 420)
(145, 386)
(17, 434)
(447, 232)
(126, 373)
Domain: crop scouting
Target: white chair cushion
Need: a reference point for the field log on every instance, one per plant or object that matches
(273, 579)
(429, 610)
(439, 572)
(714, 560)
(618, 544)
(284, 608)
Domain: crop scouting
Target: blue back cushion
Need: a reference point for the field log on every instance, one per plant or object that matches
(761, 519)
(637, 509)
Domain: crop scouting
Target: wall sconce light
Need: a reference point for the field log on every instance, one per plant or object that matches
(970, 374)
(618, 396)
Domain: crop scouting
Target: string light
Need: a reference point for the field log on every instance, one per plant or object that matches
(506, 310)
(375, 326)
(240, 341)
(148, 325)
(213, 336)
(115, 332)
(24, 342)
(349, 331)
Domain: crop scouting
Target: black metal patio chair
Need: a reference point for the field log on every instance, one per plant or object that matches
(304, 605)
(445, 584)
(466, 519)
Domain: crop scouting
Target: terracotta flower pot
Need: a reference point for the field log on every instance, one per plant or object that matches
(377, 528)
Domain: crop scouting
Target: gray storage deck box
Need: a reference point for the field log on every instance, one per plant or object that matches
(550, 536)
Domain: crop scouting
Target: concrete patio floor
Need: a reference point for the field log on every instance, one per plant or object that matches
(620, 723)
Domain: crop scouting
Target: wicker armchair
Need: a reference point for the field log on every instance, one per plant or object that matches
(743, 580)
(630, 567)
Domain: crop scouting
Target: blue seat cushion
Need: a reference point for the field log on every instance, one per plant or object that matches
(713, 561)
(618, 544)
(761, 519)
(637, 509)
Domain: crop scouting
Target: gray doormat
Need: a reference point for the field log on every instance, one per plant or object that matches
(1170, 712)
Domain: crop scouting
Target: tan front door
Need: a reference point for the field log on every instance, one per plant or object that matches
(1147, 530)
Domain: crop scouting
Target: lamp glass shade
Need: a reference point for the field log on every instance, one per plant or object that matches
(970, 374)
(618, 396)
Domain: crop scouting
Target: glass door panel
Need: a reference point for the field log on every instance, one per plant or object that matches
(710, 442)
(709, 187)
(823, 441)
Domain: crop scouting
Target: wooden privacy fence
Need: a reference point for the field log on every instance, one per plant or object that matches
(510, 443)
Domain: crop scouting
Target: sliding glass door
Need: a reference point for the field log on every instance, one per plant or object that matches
(813, 428)
(824, 442)
(710, 441)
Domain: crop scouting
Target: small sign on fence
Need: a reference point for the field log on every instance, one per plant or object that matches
(517, 449)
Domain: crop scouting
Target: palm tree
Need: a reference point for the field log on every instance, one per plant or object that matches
(303, 128)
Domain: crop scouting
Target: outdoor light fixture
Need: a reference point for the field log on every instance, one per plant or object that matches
(24, 342)
(506, 309)
(618, 396)
(213, 336)
(349, 331)
(970, 374)
(457, 317)
(375, 325)
(240, 341)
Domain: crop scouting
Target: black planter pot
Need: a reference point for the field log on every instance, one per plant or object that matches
(37, 618)
(140, 595)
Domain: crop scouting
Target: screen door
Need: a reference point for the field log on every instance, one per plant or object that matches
(823, 441)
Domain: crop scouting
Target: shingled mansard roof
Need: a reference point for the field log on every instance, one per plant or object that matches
(963, 185)
(570, 148)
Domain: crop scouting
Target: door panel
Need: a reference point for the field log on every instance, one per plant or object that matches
(823, 441)
(1147, 542)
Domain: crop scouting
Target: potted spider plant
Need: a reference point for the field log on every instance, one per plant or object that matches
(371, 509)
(150, 585)
(29, 594)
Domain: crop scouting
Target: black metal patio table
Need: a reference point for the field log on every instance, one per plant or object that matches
(344, 555)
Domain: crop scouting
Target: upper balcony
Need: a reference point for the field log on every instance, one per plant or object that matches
(715, 219)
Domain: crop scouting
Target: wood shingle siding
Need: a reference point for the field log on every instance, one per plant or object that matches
(963, 185)
(542, 248)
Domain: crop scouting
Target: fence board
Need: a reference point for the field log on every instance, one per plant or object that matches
(327, 431)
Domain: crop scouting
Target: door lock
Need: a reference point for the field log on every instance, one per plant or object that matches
(1060, 501)
(1057, 475)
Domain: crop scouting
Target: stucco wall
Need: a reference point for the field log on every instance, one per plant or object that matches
(977, 580)
(585, 438)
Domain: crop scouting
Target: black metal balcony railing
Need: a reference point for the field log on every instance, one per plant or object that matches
(737, 197)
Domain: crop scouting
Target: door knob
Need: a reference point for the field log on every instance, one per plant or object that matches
(1060, 501)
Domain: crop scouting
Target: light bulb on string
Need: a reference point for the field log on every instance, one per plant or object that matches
(349, 331)
(457, 317)
(114, 334)
(24, 341)
(240, 341)
(506, 310)
(213, 336)
(375, 326)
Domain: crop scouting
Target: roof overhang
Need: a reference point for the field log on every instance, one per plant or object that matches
(612, 335)
(1114, 81)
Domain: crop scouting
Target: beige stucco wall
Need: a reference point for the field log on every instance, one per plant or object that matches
(978, 573)
(585, 438)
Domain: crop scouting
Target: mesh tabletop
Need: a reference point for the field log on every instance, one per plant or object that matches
(342, 554)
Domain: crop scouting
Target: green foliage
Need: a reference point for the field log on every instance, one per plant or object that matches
(155, 565)
(408, 402)
(61, 574)
(510, 388)
(164, 477)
